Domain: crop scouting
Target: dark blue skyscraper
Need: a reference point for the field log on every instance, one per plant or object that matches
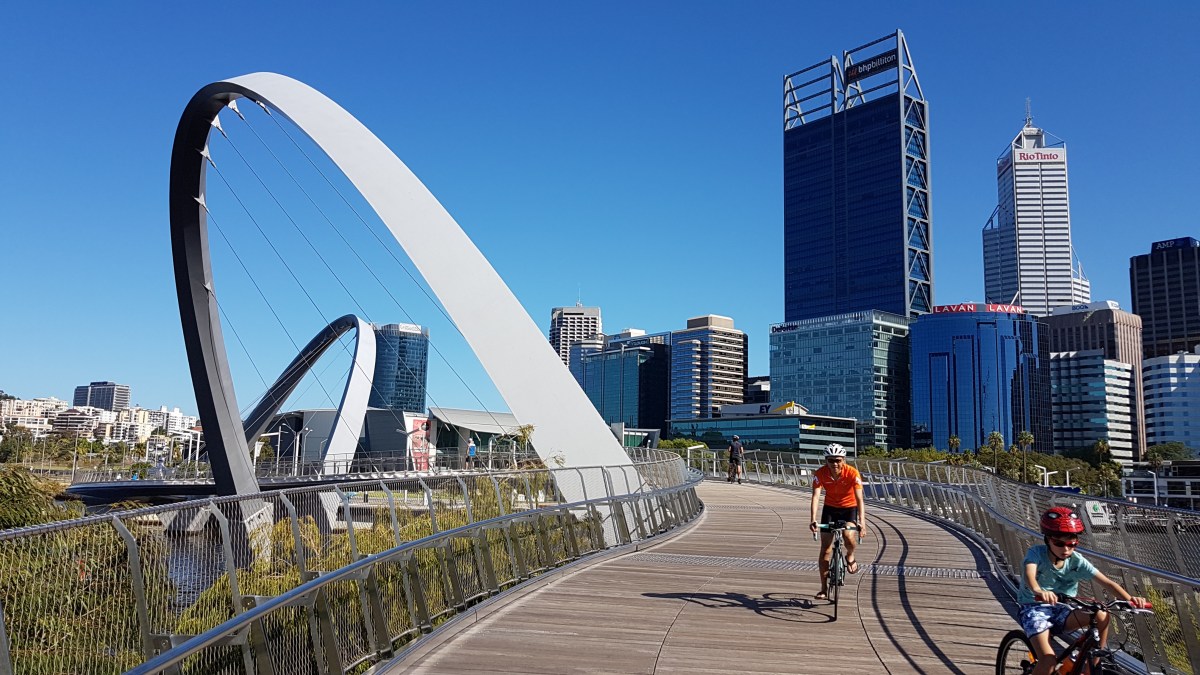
(976, 369)
(856, 186)
(401, 364)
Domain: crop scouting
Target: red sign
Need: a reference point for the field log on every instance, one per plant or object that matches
(975, 307)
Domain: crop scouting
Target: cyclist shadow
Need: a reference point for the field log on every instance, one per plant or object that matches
(778, 606)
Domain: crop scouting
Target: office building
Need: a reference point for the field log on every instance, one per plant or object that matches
(572, 324)
(1165, 287)
(708, 367)
(857, 216)
(1091, 400)
(781, 428)
(1172, 385)
(850, 365)
(1118, 335)
(758, 389)
(401, 367)
(1028, 258)
(628, 383)
(105, 395)
(979, 368)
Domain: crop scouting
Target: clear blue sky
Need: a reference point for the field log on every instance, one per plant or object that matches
(629, 153)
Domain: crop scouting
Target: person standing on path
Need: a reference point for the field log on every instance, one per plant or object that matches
(842, 485)
(735, 459)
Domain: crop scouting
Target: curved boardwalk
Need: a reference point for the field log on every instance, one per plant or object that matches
(734, 594)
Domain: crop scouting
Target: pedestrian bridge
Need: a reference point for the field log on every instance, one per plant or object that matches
(654, 569)
(733, 593)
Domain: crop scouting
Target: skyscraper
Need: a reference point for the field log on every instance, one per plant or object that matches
(1165, 286)
(572, 324)
(1028, 258)
(857, 218)
(627, 383)
(1090, 400)
(848, 365)
(708, 367)
(976, 369)
(1117, 335)
(106, 395)
(1172, 394)
(401, 367)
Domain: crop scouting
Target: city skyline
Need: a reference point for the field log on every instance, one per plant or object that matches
(555, 158)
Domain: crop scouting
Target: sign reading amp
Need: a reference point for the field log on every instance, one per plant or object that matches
(873, 65)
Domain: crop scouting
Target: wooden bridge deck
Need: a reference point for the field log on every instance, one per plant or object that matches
(734, 595)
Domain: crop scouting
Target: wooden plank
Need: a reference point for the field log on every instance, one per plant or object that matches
(730, 596)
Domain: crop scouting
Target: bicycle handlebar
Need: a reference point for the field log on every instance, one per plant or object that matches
(839, 526)
(1094, 606)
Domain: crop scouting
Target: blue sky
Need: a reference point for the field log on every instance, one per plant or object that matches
(625, 153)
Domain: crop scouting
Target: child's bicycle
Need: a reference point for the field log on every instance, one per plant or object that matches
(1016, 655)
(837, 559)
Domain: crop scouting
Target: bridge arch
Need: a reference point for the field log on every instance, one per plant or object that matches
(525, 369)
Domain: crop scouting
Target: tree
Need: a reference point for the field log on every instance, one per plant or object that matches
(1025, 439)
(955, 443)
(1101, 452)
(995, 442)
(1157, 454)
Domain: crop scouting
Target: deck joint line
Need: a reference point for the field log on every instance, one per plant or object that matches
(804, 565)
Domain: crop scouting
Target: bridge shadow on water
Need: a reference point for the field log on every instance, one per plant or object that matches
(771, 605)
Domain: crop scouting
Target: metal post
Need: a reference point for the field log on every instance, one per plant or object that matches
(430, 508)
(466, 498)
(139, 587)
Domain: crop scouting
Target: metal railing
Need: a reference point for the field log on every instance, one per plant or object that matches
(365, 568)
(444, 460)
(1151, 551)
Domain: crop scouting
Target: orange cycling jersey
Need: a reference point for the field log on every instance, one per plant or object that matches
(839, 492)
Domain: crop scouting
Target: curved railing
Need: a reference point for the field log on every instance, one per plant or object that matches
(1151, 551)
(372, 565)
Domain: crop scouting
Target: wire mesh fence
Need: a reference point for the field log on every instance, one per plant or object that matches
(105, 593)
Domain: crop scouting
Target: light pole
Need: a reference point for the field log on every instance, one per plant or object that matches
(75, 459)
(297, 448)
(1046, 473)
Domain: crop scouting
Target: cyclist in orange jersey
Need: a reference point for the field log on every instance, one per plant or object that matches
(842, 485)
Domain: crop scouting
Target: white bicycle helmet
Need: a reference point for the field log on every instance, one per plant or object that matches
(835, 450)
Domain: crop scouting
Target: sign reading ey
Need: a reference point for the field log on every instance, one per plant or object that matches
(976, 307)
(872, 66)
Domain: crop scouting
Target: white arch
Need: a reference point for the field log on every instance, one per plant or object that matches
(525, 369)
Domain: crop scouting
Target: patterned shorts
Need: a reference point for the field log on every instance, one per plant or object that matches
(1038, 618)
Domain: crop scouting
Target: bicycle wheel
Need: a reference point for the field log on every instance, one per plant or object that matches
(837, 571)
(1015, 655)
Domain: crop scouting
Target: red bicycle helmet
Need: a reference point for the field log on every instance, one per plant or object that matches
(1061, 520)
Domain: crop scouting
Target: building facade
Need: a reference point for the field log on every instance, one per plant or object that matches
(1165, 287)
(106, 395)
(979, 368)
(708, 367)
(1028, 258)
(401, 367)
(572, 324)
(806, 432)
(1118, 335)
(857, 216)
(1172, 389)
(851, 365)
(628, 383)
(1091, 399)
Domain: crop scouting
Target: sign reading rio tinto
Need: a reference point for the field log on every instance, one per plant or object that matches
(1040, 155)
(976, 307)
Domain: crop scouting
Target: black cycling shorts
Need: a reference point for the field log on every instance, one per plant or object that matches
(832, 514)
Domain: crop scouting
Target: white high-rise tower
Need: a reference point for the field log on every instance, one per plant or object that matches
(572, 324)
(1028, 258)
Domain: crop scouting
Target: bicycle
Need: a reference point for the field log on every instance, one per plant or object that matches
(1016, 654)
(837, 559)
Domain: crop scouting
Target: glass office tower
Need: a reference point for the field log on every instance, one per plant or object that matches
(848, 365)
(401, 365)
(627, 384)
(857, 213)
(976, 369)
(1165, 286)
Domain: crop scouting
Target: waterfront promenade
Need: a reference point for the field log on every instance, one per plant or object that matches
(733, 594)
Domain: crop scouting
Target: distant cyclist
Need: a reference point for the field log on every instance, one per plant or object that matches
(843, 489)
(1053, 568)
(736, 452)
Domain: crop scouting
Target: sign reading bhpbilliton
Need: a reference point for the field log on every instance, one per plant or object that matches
(872, 66)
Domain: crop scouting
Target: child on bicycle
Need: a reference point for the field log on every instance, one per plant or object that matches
(1051, 569)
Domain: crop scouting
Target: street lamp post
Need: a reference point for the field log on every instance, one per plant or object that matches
(75, 459)
(297, 448)
(1046, 473)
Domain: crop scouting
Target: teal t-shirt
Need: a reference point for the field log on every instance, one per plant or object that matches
(1065, 580)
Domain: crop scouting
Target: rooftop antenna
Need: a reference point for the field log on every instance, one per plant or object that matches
(579, 295)
(1028, 113)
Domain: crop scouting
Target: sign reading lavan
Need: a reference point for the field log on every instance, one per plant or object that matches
(976, 307)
